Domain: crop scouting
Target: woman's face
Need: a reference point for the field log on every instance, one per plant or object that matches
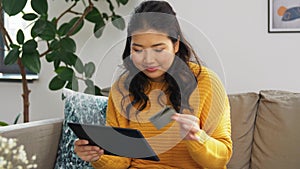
(152, 52)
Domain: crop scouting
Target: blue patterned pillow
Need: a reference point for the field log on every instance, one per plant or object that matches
(80, 108)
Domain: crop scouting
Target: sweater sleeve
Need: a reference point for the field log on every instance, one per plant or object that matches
(213, 151)
(214, 147)
(108, 161)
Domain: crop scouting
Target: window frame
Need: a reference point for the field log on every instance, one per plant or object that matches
(11, 72)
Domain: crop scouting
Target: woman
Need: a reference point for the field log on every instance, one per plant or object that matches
(159, 73)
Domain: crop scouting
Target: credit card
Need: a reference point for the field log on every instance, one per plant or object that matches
(162, 118)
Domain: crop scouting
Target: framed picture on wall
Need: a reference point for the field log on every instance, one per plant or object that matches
(284, 16)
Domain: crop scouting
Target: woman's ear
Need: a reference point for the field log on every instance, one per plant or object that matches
(176, 45)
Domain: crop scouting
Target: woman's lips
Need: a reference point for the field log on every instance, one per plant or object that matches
(152, 69)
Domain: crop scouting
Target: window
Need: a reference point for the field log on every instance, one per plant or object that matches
(12, 72)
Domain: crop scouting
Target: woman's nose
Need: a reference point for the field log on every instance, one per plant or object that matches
(148, 56)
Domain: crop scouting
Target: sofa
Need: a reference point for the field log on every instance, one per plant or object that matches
(265, 132)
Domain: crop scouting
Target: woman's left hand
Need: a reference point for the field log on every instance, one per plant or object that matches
(189, 125)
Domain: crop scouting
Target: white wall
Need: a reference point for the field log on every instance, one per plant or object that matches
(252, 59)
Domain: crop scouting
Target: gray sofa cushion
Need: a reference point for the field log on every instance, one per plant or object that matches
(277, 136)
(44, 132)
(243, 112)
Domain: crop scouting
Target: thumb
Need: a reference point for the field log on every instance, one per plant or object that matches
(95, 159)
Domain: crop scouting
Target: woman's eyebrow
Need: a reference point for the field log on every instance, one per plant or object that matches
(135, 44)
(158, 44)
(154, 45)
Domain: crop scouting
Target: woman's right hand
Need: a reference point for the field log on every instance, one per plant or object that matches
(87, 152)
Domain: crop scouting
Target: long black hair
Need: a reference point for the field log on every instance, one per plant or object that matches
(181, 82)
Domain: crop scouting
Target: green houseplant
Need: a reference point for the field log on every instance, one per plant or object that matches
(61, 47)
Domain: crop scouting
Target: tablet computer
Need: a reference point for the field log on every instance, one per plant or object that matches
(123, 142)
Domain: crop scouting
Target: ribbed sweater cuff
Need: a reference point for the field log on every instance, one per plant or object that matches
(100, 162)
(202, 136)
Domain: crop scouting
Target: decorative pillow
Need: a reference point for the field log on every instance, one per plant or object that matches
(80, 108)
(243, 113)
(276, 134)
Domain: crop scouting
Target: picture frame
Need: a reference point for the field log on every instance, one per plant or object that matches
(284, 16)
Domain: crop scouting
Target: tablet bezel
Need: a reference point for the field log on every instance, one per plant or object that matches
(81, 130)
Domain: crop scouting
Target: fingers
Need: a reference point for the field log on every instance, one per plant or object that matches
(185, 118)
(90, 156)
(87, 152)
(86, 148)
(193, 136)
(189, 125)
(79, 142)
(188, 122)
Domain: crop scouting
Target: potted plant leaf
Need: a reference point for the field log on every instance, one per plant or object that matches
(61, 46)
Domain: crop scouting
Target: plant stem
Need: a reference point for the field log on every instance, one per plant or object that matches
(47, 51)
(4, 33)
(76, 13)
(26, 91)
(65, 12)
(86, 11)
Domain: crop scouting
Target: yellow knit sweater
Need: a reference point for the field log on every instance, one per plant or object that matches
(209, 102)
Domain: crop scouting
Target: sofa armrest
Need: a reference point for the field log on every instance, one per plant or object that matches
(40, 138)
